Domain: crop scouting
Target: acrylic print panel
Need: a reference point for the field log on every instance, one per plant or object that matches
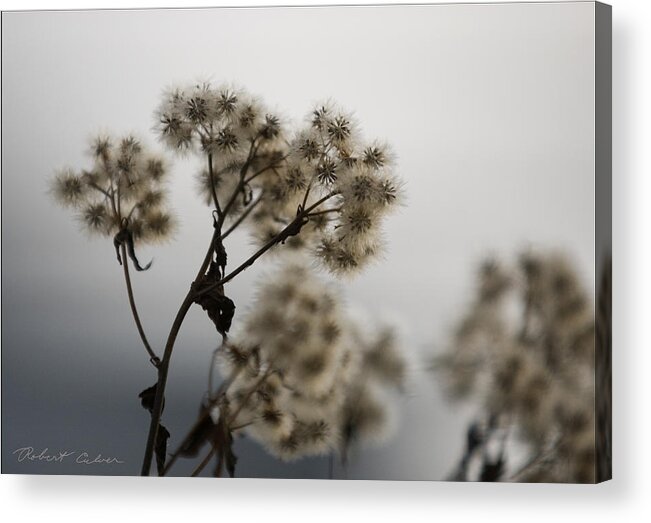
(347, 243)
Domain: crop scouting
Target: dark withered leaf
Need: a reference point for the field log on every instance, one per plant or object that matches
(230, 460)
(218, 435)
(492, 470)
(474, 438)
(201, 433)
(348, 432)
(294, 227)
(223, 445)
(147, 398)
(162, 438)
(220, 308)
(247, 195)
(221, 258)
(125, 237)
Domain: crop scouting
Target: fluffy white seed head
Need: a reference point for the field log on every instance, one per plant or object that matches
(348, 185)
(125, 184)
(68, 189)
(220, 120)
(323, 387)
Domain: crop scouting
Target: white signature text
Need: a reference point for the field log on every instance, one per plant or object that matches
(83, 458)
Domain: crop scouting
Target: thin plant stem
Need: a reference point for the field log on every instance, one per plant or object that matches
(153, 358)
(213, 187)
(307, 192)
(265, 169)
(203, 463)
(222, 389)
(98, 188)
(220, 466)
(324, 154)
(264, 248)
(119, 203)
(326, 211)
(241, 184)
(243, 425)
(252, 391)
(175, 455)
(163, 368)
(243, 216)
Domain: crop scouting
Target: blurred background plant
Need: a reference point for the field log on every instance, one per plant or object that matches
(301, 378)
(525, 353)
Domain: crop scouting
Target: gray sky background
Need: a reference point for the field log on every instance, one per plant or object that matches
(489, 108)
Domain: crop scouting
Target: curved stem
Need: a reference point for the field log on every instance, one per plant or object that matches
(243, 425)
(326, 211)
(155, 361)
(203, 463)
(98, 188)
(162, 381)
(212, 402)
(265, 247)
(326, 150)
(174, 456)
(249, 394)
(241, 183)
(243, 216)
(272, 165)
(230, 421)
(213, 186)
(163, 368)
(206, 412)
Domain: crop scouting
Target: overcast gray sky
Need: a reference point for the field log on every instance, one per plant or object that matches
(489, 108)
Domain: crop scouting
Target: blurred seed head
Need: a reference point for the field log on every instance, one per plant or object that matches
(327, 391)
(534, 367)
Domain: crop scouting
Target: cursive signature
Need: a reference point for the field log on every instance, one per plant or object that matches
(83, 458)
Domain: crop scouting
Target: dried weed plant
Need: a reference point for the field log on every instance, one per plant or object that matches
(298, 376)
(525, 351)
